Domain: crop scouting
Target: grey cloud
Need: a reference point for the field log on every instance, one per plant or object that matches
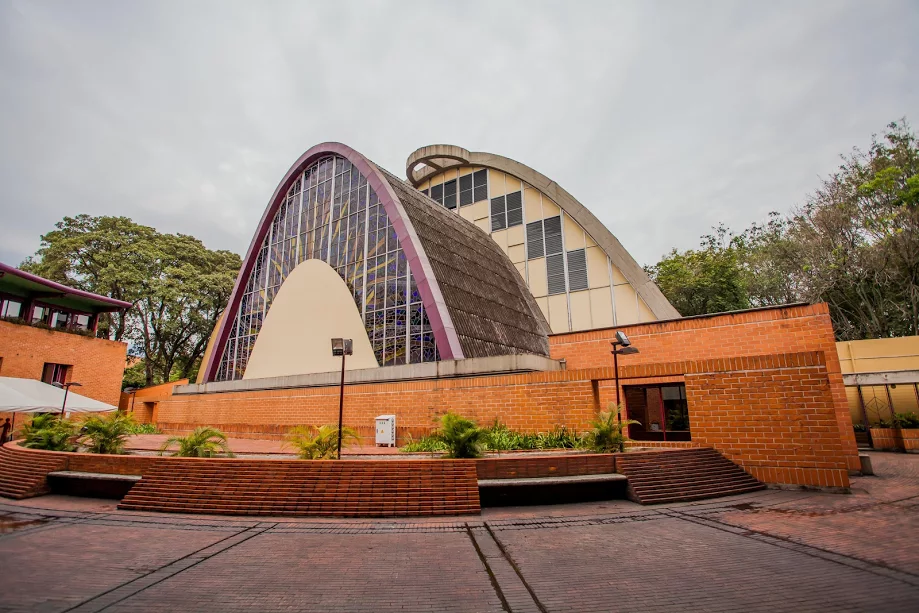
(664, 118)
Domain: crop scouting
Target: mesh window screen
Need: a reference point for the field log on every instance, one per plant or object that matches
(437, 193)
(577, 270)
(465, 185)
(498, 217)
(450, 194)
(480, 185)
(553, 230)
(555, 273)
(514, 209)
(535, 246)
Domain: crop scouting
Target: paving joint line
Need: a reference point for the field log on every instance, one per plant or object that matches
(491, 574)
(516, 568)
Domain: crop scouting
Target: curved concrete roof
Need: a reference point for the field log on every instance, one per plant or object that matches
(437, 158)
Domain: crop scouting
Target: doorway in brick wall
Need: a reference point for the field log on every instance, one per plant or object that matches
(661, 410)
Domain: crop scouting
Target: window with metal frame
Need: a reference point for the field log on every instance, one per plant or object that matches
(465, 187)
(480, 185)
(555, 273)
(55, 373)
(577, 270)
(450, 194)
(437, 193)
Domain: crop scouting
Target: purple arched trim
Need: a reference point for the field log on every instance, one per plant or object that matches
(436, 309)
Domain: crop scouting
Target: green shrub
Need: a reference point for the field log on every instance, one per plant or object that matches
(204, 442)
(319, 443)
(607, 434)
(106, 434)
(47, 431)
(462, 437)
(137, 428)
(907, 421)
(427, 444)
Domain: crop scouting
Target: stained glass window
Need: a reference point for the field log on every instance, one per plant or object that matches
(331, 214)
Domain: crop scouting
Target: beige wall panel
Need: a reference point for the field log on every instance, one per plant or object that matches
(500, 237)
(543, 304)
(516, 235)
(558, 313)
(590, 241)
(484, 224)
(294, 339)
(597, 270)
(467, 213)
(478, 211)
(618, 278)
(466, 170)
(495, 183)
(644, 312)
(437, 179)
(532, 204)
(517, 253)
(549, 208)
(626, 307)
(601, 308)
(580, 310)
(424, 186)
(522, 269)
(449, 174)
(539, 286)
(574, 235)
(512, 184)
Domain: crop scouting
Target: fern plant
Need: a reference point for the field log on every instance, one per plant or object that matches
(319, 443)
(461, 436)
(607, 433)
(106, 434)
(203, 442)
(47, 431)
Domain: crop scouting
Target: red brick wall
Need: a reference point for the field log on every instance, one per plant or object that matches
(142, 403)
(752, 333)
(98, 364)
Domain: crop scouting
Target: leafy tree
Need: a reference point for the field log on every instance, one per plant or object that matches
(203, 442)
(177, 286)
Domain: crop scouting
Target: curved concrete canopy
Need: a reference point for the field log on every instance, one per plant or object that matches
(295, 338)
(437, 158)
(448, 343)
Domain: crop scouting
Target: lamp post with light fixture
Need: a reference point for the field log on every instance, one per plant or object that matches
(343, 347)
(627, 349)
(66, 387)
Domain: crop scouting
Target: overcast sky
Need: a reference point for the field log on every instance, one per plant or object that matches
(663, 118)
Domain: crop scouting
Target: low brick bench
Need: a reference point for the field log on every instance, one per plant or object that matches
(552, 490)
(91, 485)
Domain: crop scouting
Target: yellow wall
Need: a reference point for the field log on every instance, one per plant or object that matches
(609, 299)
(878, 355)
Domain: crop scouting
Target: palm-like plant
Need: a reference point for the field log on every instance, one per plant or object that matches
(463, 438)
(106, 434)
(47, 431)
(607, 433)
(319, 443)
(203, 442)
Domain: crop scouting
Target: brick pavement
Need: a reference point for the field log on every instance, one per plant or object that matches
(767, 551)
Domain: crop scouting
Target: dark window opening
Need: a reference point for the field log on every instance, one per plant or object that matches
(661, 410)
(465, 187)
(55, 373)
(498, 216)
(480, 185)
(450, 194)
(437, 193)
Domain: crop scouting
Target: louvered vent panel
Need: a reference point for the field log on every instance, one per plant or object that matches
(480, 183)
(553, 230)
(514, 209)
(577, 270)
(465, 182)
(535, 246)
(555, 273)
(498, 218)
(437, 193)
(465, 185)
(450, 194)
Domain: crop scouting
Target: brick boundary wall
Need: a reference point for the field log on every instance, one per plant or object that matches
(756, 332)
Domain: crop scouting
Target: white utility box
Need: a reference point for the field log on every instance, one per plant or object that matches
(386, 430)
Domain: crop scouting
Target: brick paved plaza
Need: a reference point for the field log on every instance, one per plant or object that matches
(767, 551)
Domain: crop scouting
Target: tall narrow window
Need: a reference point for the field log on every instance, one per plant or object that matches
(54, 373)
(535, 245)
(553, 233)
(450, 194)
(465, 186)
(577, 270)
(555, 273)
(514, 202)
(437, 193)
(498, 215)
(480, 185)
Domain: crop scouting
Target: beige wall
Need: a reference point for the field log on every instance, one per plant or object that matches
(313, 306)
(877, 355)
(609, 300)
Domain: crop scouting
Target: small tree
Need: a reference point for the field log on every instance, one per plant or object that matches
(47, 431)
(319, 443)
(463, 438)
(607, 433)
(106, 434)
(203, 442)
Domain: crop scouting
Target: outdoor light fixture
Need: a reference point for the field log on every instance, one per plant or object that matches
(66, 387)
(621, 341)
(341, 347)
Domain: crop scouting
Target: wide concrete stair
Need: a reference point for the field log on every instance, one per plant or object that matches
(388, 488)
(683, 475)
(24, 474)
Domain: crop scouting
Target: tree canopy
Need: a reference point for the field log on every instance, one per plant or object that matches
(854, 244)
(177, 286)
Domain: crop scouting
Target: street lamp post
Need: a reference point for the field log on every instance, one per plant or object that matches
(66, 387)
(623, 341)
(343, 347)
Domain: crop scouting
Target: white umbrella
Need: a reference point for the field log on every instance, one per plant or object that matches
(31, 396)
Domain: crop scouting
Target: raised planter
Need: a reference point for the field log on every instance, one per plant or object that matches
(910, 440)
(888, 439)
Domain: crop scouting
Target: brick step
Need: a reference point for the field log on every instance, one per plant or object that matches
(690, 481)
(282, 507)
(699, 495)
(247, 496)
(644, 493)
(304, 471)
(714, 473)
(472, 510)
